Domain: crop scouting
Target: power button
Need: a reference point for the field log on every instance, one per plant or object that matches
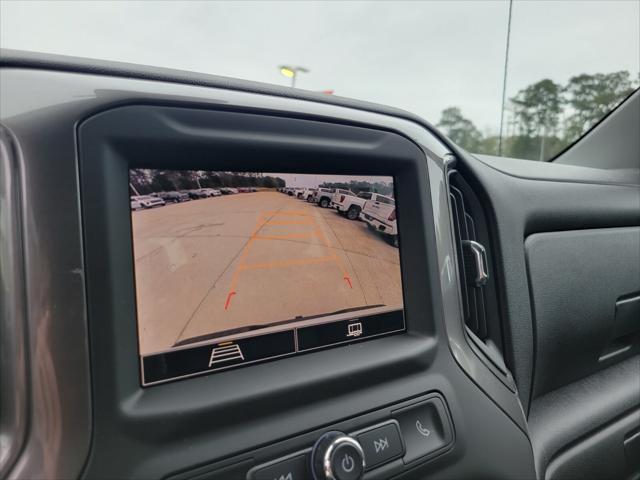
(337, 456)
(347, 462)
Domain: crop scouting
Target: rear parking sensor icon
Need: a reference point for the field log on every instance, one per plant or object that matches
(225, 353)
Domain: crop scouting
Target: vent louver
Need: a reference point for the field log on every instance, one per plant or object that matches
(472, 263)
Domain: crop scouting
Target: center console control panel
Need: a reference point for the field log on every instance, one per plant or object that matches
(376, 446)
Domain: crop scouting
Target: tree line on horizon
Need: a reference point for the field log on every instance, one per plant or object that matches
(544, 117)
(357, 186)
(147, 181)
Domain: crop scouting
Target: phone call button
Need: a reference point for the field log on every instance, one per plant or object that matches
(425, 427)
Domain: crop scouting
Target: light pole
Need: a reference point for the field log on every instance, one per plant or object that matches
(292, 72)
(504, 79)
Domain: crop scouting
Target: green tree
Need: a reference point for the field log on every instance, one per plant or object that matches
(460, 129)
(537, 113)
(269, 182)
(489, 144)
(591, 97)
(165, 180)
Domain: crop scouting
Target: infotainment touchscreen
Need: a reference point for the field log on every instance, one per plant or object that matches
(233, 269)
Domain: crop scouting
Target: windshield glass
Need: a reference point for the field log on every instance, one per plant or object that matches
(522, 79)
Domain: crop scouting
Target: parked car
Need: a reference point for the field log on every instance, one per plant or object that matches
(174, 197)
(351, 206)
(244, 190)
(135, 204)
(194, 194)
(147, 201)
(205, 192)
(323, 196)
(380, 215)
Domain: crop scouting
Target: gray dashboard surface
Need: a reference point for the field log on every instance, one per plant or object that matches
(63, 63)
(573, 412)
(527, 198)
(521, 198)
(43, 119)
(558, 172)
(576, 279)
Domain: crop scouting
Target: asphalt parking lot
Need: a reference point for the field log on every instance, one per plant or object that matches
(253, 258)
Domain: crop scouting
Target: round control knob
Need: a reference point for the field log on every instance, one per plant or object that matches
(337, 456)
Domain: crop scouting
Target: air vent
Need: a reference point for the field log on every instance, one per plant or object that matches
(477, 284)
(472, 261)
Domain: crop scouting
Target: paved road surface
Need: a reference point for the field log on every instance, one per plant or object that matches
(252, 258)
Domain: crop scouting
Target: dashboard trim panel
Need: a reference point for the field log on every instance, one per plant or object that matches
(33, 99)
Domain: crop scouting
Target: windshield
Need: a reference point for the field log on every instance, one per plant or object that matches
(522, 79)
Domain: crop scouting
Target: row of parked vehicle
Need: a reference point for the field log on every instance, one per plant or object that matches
(376, 210)
(159, 199)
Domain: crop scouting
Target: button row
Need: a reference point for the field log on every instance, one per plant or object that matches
(415, 432)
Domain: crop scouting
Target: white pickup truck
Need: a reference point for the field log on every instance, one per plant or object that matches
(351, 205)
(147, 201)
(339, 197)
(380, 215)
(323, 196)
(307, 194)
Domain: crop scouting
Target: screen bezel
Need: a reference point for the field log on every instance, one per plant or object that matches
(148, 383)
(169, 137)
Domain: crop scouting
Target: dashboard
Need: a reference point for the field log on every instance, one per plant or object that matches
(224, 281)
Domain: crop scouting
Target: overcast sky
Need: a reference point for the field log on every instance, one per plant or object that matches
(420, 56)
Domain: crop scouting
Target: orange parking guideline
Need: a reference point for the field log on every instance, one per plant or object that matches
(287, 236)
(345, 274)
(286, 263)
(288, 212)
(292, 222)
(260, 222)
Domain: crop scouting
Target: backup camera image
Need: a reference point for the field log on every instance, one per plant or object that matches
(235, 268)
